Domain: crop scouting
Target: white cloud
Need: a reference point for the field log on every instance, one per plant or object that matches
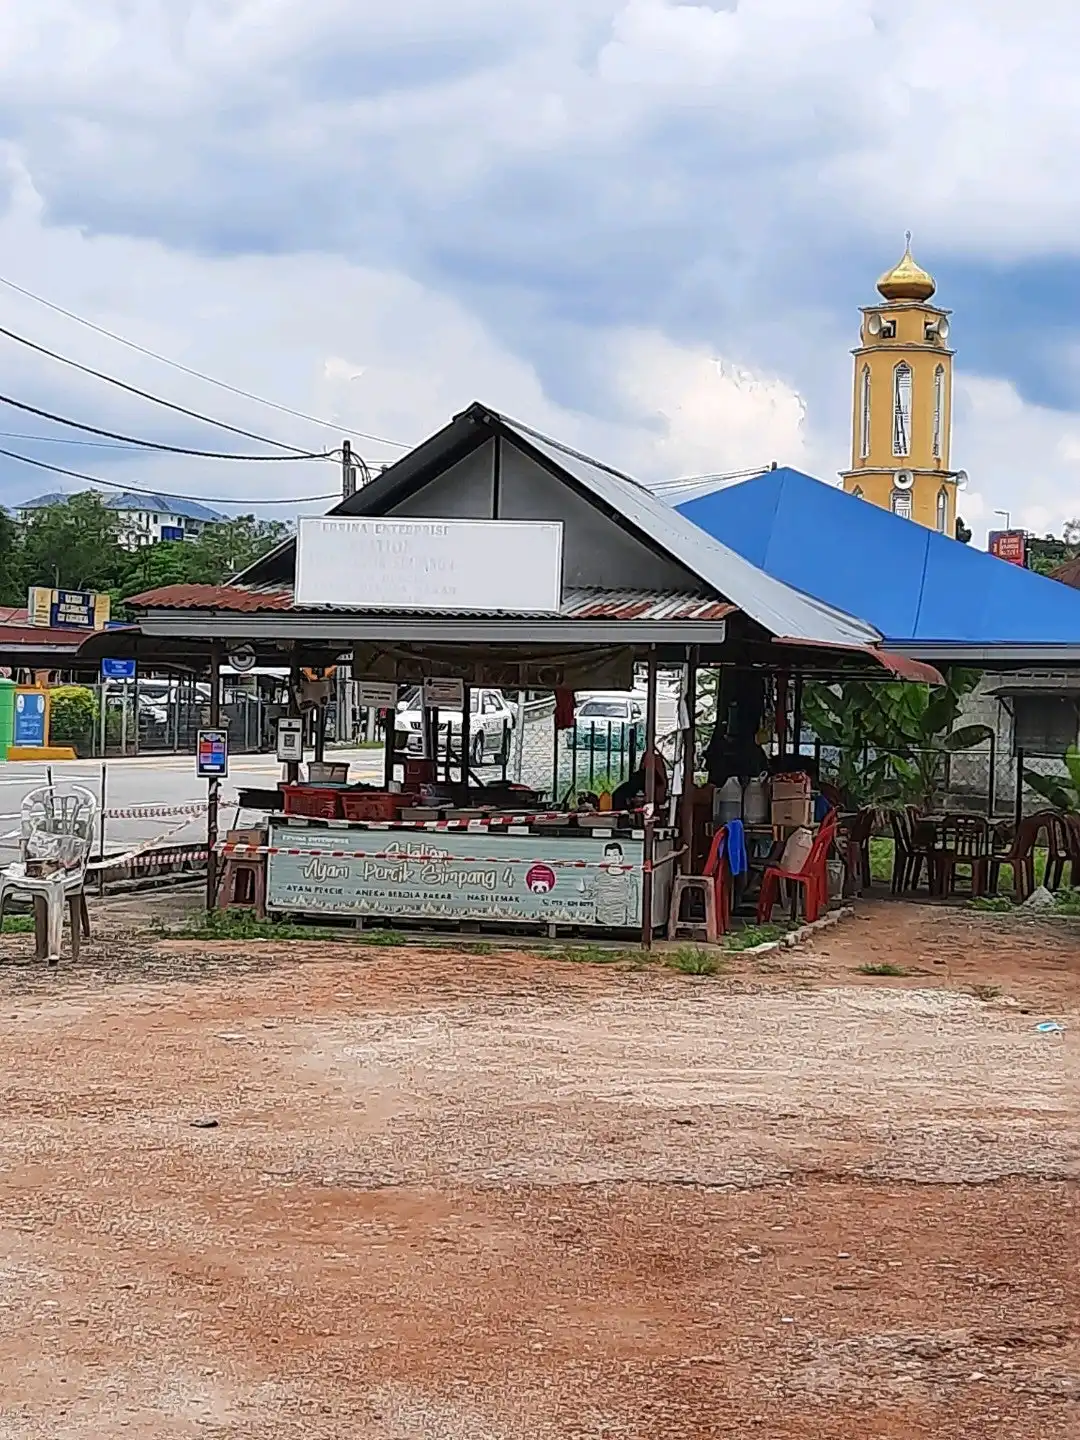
(567, 208)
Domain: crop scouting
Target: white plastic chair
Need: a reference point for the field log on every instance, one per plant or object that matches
(57, 835)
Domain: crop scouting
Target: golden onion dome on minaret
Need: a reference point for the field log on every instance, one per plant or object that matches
(907, 281)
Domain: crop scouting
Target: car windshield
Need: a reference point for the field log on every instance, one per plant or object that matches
(603, 710)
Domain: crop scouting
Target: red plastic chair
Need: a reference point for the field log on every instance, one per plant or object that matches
(812, 879)
(716, 869)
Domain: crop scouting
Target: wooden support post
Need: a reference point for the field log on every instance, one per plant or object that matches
(780, 719)
(466, 731)
(686, 826)
(649, 844)
(213, 785)
(796, 722)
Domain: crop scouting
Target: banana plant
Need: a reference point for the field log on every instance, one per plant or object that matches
(1063, 793)
(894, 740)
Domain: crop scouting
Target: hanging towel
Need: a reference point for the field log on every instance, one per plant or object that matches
(736, 848)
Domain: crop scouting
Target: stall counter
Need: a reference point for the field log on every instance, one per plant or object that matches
(572, 877)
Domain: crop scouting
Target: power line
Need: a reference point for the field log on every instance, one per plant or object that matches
(61, 440)
(691, 481)
(154, 444)
(145, 394)
(162, 494)
(198, 374)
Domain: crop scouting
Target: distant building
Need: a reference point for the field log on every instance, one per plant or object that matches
(146, 519)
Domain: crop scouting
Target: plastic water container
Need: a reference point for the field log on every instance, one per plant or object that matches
(727, 802)
(756, 802)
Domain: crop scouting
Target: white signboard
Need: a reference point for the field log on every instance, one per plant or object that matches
(444, 694)
(377, 694)
(450, 565)
(290, 738)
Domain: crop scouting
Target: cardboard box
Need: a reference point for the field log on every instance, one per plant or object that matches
(792, 812)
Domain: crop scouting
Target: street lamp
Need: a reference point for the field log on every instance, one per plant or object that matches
(1008, 517)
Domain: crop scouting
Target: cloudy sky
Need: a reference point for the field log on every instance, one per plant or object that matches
(642, 225)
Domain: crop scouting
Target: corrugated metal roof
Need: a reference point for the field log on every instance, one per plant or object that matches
(780, 609)
(577, 604)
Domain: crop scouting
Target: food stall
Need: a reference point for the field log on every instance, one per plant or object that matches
(492, 556)
(521, 871)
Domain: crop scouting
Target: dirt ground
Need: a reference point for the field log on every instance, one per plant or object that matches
(496, 1196)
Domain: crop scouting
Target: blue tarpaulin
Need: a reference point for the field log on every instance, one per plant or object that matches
(928, 594)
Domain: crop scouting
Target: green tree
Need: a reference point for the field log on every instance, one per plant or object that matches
(894, 740)
(72, 545)
(220, 552)
(12, 588)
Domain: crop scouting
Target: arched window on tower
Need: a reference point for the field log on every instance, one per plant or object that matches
(858, 493)
(901, 503)
(942, 510)
(864, 413)
(939, 410)
(902, 409)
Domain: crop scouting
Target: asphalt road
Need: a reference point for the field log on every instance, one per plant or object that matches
(151, 780)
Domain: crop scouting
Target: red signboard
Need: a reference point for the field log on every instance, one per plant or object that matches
(1009, 545)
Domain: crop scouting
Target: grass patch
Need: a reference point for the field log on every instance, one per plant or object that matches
(242, 925)
(18, 924)
(885, 967)
(753, 935)
(986, 992)
(1067, 902)
(992, 904)
(595, 955)
(692, 960)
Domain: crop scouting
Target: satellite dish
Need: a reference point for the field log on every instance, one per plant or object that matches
(904, 479)
(874, 325)
(1071, 533)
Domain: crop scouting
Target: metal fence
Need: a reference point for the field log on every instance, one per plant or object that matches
(985, 780)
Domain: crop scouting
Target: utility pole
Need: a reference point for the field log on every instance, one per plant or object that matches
(348, 471)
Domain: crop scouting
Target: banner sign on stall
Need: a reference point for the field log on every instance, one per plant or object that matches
(377, 694)
(513, 566)
(212, 754)
(444, 694)
(118, 669)
(457, 876)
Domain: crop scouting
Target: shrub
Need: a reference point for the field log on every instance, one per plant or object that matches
(73, 716)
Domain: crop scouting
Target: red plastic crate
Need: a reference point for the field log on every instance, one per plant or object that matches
(370, 805)
(312, 801)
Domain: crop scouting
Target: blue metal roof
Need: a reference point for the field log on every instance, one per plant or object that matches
(927, 594)
(132, 502)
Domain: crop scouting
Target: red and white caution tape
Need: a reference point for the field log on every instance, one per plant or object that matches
(228, 847)
(478, 824)
(156, 812)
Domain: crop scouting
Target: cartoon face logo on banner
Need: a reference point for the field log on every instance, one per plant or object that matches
(540, 879)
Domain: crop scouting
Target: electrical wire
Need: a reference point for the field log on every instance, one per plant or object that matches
(162, 494)
(146, 395)
(689, 481)
(198, 374)
(61, 440)
(154, 444)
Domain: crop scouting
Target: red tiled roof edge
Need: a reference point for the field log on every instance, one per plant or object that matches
(212, 597)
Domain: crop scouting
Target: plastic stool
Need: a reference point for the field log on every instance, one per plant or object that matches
(705, 885)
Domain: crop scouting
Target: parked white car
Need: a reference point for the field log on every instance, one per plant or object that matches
(491, 724)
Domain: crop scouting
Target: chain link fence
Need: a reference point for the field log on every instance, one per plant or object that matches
(982, 780)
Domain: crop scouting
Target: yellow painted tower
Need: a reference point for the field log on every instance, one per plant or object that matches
(902, 418)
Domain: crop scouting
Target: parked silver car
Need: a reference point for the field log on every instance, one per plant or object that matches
(491, 723)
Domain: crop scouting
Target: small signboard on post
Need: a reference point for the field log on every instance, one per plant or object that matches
(290, 738)
(377, 694)
(212, 754)
(444, 694)
(118, 669)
